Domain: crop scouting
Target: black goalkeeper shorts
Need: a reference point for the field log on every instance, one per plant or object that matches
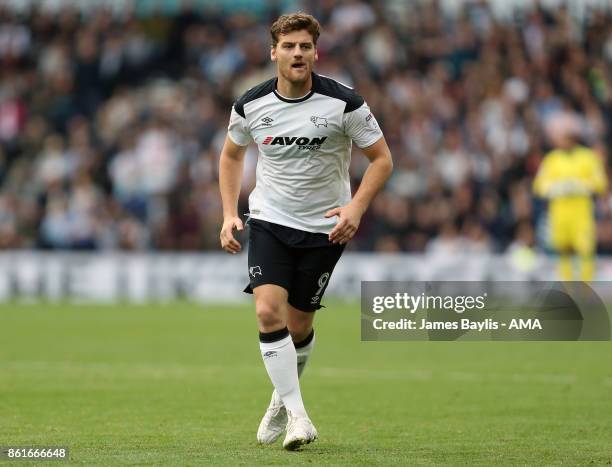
(300, 262)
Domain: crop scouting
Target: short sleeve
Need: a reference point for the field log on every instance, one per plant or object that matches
(237, 129)
(361, 126)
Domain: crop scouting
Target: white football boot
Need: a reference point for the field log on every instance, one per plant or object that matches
(274, 421)
(300, 431)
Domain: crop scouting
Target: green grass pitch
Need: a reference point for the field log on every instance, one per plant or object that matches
(184, 384)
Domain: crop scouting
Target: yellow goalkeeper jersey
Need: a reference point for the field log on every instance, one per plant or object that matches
(569, 179)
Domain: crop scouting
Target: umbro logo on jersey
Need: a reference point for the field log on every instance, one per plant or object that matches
(302, 142)
(267, 121)
(370, 121)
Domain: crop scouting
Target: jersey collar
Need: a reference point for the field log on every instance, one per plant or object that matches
(299, 99)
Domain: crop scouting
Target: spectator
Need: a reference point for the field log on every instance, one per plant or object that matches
(111, 124)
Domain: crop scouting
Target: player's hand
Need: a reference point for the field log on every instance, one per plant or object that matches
(350, 217)
(568, 187)
(228, 242)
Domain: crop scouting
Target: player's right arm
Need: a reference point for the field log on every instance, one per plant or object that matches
(231, 165)
(544, 179)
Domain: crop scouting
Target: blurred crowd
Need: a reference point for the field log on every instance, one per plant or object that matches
(111, 124)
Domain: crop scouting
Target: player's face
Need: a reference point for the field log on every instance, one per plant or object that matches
(295, 54)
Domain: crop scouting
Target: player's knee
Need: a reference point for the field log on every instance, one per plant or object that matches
(299, 323)
(269, 314)
(299, 332)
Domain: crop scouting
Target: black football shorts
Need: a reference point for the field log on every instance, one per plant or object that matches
(300, 262)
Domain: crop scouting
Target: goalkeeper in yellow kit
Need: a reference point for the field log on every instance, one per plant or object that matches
(569, 176)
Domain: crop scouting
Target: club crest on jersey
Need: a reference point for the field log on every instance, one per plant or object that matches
(318, 121)
(310, 144)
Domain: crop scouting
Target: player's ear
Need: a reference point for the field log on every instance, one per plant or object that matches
(273, 53)
(316, 54)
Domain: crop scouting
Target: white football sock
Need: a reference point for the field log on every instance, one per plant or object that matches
(304, 351)
(280, 359)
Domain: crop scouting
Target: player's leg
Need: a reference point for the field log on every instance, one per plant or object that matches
(302, 332)
(270, 272)
(274, 421)
(277, 349)
(587, 267)
(565, 265)
(311, 277)
(561, 241)
(584, 242)
(280, 359)
(271, 307)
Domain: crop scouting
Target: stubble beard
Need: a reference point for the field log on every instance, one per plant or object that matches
(296, 81)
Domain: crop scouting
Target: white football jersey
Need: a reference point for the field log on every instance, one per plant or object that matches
(304, 149)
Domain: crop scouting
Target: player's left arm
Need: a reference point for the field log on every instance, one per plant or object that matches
(378, 172)
(599, 177)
